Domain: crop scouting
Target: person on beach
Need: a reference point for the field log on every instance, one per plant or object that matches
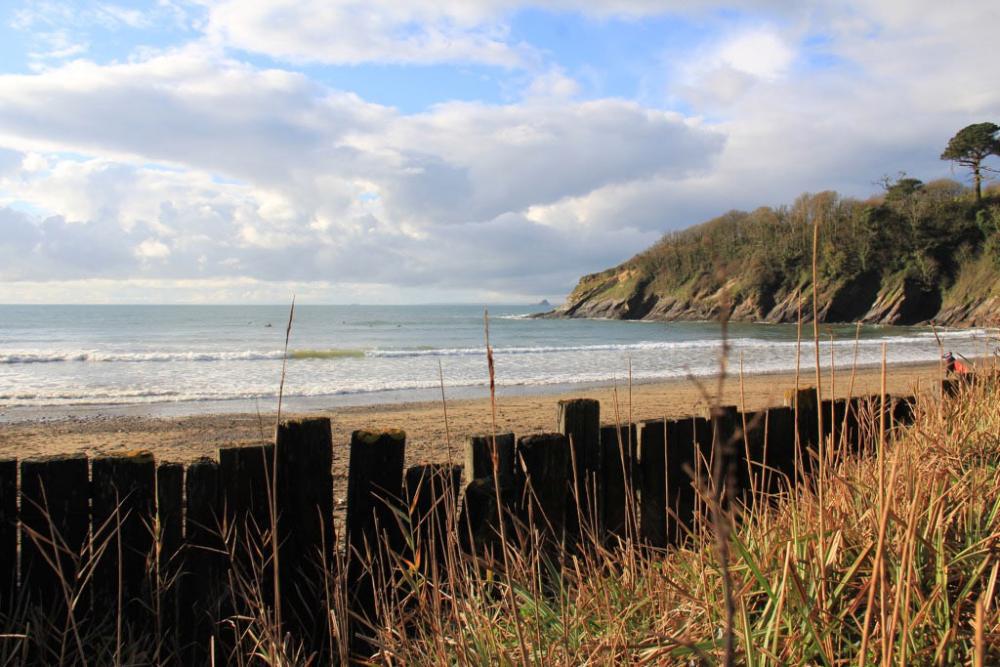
(954, 366)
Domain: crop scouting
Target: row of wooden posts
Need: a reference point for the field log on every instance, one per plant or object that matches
(154, 542)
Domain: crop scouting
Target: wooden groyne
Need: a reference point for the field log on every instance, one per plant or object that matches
(174, 549)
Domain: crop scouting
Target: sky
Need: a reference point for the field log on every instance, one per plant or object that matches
(427, 151)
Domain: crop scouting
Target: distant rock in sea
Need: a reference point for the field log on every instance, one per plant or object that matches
(544, 303)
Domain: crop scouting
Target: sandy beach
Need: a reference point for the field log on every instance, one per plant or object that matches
(186, 438)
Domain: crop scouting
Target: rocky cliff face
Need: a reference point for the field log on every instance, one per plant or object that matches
(628, 295)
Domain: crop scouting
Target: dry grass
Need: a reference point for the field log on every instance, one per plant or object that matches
(897, 565)
(908, 570)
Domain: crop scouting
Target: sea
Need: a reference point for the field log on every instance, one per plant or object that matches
(78, 360)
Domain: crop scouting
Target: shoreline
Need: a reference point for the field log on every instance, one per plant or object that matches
(184, 438)
(429, 438)
(20, 415)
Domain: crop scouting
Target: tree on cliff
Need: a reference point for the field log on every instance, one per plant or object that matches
(971, 146)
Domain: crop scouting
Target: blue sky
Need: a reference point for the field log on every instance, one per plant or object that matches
(448, 150)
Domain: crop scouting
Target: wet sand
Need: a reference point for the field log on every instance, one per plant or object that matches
(428, 440)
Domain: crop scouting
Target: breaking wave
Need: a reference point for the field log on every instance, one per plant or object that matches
(329, 354)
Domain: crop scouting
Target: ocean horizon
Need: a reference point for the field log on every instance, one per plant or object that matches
(170, 360)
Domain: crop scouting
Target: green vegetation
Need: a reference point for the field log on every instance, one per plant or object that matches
(971, 146)
(916, 230)
(891, 258)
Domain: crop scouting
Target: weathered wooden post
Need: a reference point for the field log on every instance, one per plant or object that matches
(124, 500)
(246, 478)
(374, 489)
(304, 450)
(780, 453)
(653, 466)
(245, 481)
(804, 407)
(904, 410)
(169, 511)
(619, 481)
(727, 459)
(950, 387)
(479, 524)
(750, 447)
(479, 457)
(579, 420)
(543, 462)
(54, 515)
(204, 558)
(727, 436)
(374, 486)
(851, 438)
(702, 457)
(432, 501)
(8, 533)
(479, 528)
(170, 529)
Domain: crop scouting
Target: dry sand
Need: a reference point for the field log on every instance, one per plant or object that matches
(187, 438)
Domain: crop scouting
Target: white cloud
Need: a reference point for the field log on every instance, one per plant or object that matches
(356, 31)
(34, 162)
(58, 30)
(718, 74)
(414, 31)
(151, 249)
(204, 166)
(761, 53)
(193, 168)
(552, 84)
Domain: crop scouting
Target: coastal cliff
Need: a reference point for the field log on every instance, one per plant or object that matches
(919, 254)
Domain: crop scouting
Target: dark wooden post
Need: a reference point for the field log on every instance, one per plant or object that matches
(543, 462)
(305, 521)
(728, 452)
(780, 449)
(374, 486)
(904, 410)
(479, 457)
(834, 411)
(54, 499)
(170, 525)
(479, 524)
(246, 476)
(169, 512)
(619, 481)
(432, 498)
(852, 427)
(374, 489)
(123, 502)
(702, 453)
(245, 481)
(833, 419)
(750, 447)
(804, 407)
(8, 534)
(204, 558)
(580, 421)
(653, 466)
(950, 387)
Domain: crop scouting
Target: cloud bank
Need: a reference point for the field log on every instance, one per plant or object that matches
(226, 166)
